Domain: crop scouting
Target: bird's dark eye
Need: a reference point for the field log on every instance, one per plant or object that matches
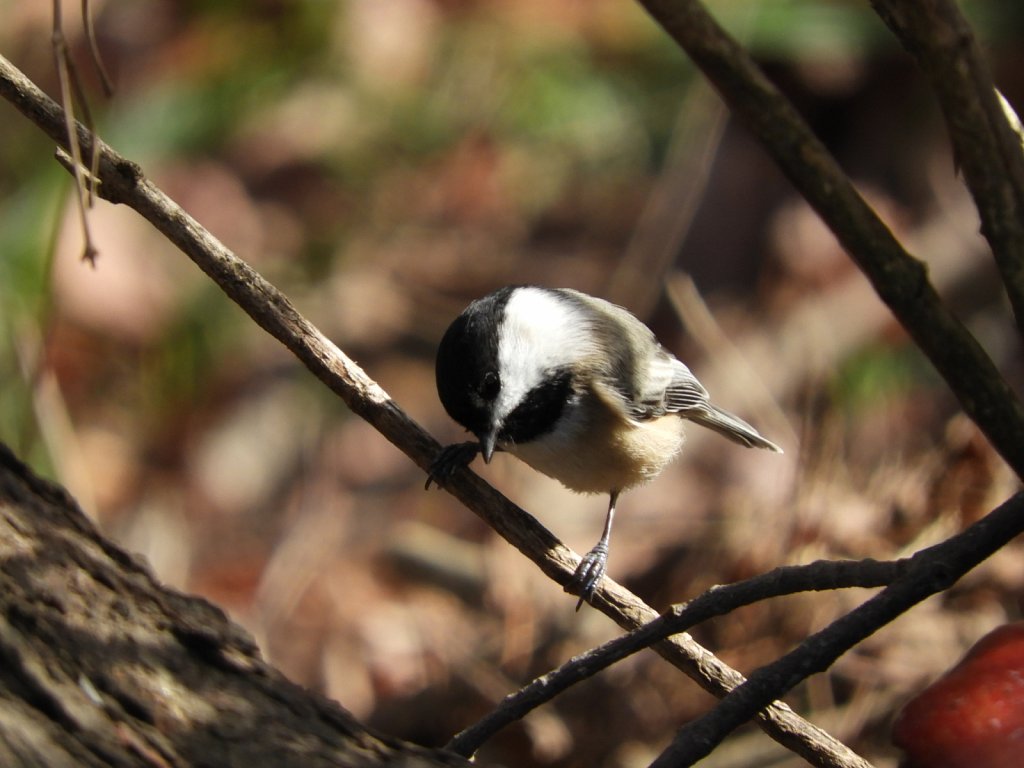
(490, 386)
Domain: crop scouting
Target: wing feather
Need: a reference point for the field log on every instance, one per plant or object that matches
(641, 381)
(668, 387)
(672, 388)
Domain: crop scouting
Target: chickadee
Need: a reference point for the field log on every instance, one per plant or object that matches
(577, 388)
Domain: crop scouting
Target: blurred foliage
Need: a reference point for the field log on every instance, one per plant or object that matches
(385, 161)
(877, 372)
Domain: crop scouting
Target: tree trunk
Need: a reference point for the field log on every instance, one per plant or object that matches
(101, 665)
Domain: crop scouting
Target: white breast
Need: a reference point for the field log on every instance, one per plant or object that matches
(595, 450)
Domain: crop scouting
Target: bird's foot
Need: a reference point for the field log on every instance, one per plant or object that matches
(589, 573)
(451, 458)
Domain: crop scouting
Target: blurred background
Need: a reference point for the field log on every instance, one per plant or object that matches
(383, 163)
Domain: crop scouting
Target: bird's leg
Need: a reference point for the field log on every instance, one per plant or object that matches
(593, 564)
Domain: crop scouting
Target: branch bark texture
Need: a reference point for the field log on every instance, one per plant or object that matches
(900, 280)
(100, 665)
(987, 150)
(717, 601)
(928, 572)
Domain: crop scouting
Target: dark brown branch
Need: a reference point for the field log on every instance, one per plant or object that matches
(122, 182)
(899, 279)
(986, 147)
(929, 571)
(717, 601)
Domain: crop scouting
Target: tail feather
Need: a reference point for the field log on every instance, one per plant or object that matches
(732, 427)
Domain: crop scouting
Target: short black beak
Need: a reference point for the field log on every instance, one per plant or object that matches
(487, 441)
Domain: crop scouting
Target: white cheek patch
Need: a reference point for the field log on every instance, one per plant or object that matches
(540, 332)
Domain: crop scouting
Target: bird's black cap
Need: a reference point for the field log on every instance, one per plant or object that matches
(468, 379)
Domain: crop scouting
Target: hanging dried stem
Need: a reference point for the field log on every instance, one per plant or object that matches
(69, 87)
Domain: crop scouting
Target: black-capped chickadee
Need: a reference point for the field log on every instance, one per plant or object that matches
(577, 388)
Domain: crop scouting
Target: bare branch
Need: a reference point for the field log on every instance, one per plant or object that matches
(929, 571)
(717, 601)
(899, 279)
(986, 147)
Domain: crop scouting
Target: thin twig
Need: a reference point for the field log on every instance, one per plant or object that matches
(1012, 118)
(672, 204)
(68, 86)
(985, 145)
(89, 178)
(701, 326)
(108, 88)
(94, 50)
(123, 182)
(717, 601)
(899, 279)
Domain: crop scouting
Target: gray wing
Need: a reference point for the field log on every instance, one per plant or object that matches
(641, 380)
(672, 388)
(666, 385)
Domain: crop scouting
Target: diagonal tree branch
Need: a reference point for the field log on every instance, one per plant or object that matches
(930, 571)
(717, 601)
(908, 580)
(899, 279)
(989, 152)
(122, 181)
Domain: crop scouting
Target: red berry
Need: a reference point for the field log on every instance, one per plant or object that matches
(973, 716)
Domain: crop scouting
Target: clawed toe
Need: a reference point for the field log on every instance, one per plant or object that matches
(451, 458)
(588, 573)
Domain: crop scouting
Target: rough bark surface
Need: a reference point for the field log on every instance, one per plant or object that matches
(101, 665)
